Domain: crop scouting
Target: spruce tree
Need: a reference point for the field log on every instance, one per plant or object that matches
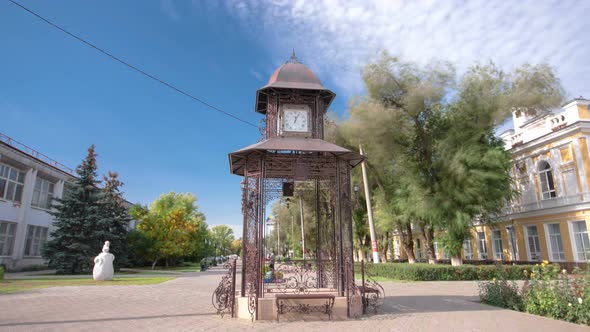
(73, 245)
(114, 218)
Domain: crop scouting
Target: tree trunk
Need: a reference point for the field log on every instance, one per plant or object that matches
(154, 264)
(456, 261)
(361, 255)
(407, 242)
(428, 234)
(361, 251)
(385, 247)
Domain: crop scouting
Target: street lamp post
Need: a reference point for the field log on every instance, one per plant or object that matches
(369, 209)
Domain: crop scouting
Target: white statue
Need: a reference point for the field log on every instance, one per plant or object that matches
(103, 264)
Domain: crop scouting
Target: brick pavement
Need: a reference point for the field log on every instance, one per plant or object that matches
(184, 304)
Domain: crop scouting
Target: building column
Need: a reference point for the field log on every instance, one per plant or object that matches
(21, 228)
(58, 191)
(581, 168)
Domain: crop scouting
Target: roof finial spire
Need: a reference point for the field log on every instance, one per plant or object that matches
(293, 56)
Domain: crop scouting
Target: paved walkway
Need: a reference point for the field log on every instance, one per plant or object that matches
(184, 304)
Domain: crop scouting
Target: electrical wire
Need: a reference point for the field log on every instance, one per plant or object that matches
(141, 71)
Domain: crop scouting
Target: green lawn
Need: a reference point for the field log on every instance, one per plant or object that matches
(21, 285)
(187, 267)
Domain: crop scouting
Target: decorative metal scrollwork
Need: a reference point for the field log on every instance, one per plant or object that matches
(373, 292)
(223, 297)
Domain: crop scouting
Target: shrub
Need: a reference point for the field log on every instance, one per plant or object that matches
(501, 294)
(431, 272)
(553, 294)
(547, 292)
(1, 272)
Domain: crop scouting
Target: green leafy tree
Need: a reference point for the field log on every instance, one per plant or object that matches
(399, 124)
(222, 238)
(173, 226)
(475, 168)
(434, 163)
(75, 241)
(236, 247)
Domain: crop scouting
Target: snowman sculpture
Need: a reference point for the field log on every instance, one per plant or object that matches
(103, 264)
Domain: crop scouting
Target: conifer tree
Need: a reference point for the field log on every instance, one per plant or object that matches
(72, 247)
(113, 221)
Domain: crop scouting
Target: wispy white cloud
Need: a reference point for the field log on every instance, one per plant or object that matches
(169, 8)
(335, 38)
(256, 74)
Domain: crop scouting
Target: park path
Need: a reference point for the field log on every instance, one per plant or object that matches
(184, 304)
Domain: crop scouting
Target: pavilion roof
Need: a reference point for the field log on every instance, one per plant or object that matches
(293, 145)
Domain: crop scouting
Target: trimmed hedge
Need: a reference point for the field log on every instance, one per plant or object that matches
(434, 272)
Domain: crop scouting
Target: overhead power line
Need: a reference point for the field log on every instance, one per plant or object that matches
(141, 71)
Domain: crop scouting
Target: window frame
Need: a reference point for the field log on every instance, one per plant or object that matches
(470, 250)
(15, 182)
(481, 243)
(547, 175)
(512, 242)
(44, 194)
(573, 241)
(418, 249)
(550, 250)
(495, 245)
(435, 247)
(527, 244)
(40, 240)
(6, 237)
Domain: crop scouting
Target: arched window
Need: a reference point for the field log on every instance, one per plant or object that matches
(546, 179)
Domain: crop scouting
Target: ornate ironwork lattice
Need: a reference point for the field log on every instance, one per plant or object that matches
(372, 292)
(223, 298)
(325, 182)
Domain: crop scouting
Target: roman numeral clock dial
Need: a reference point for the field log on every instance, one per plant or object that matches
(295, 120)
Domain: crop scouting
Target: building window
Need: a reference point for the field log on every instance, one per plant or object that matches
(546, 179)
(396, 248)
(435, 250)
(481, 245)
(7, 234)
(497, 245)
(581, 241)
(418, 250)
(36, 237)
(43, 194)
(446, 254)
(512, 244)
(467, 250)
(12, 182)
(533, 243)
(555, 243)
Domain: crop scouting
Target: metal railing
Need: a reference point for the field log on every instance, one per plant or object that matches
(35, 154)
(549, 203)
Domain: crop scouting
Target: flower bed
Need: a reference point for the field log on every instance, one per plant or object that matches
(548, 291)
(433, 272)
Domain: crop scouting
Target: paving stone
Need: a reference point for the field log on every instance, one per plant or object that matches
(184, 304)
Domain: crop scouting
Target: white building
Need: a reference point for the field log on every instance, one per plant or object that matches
(28, 182)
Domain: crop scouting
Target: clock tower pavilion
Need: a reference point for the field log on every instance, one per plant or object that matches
(293, 163)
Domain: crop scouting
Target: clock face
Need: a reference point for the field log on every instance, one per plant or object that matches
(296, 120)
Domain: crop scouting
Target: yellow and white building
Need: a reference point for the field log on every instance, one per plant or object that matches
(551, 217)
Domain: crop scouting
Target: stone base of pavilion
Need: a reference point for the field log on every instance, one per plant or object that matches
(267, 309)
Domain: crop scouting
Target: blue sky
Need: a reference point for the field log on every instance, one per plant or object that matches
(59, 96)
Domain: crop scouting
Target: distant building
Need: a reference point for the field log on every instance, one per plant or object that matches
(28, 182)
(550, 219)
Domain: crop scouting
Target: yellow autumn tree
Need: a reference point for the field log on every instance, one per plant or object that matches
(173, 227)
